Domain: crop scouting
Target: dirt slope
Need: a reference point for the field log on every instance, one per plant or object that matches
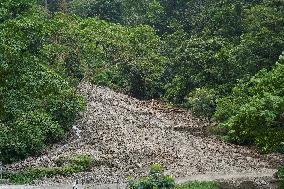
(125, 136)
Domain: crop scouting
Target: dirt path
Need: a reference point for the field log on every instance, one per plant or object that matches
(125, 136)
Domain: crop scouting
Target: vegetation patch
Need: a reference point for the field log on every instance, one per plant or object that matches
(279, 175)
(199, 185)
(253, 113)
(76, 164)
(156, 179)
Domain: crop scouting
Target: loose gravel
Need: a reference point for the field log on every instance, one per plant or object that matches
(125, 136)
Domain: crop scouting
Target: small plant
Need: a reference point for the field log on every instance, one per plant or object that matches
(76, 164)
(202, 102)
(279, 175)
(155, 179)
(199, 185)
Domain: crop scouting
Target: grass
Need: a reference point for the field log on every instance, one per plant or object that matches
(198, 185)
(69, 166)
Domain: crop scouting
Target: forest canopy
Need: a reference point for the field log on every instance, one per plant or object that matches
(221, 59)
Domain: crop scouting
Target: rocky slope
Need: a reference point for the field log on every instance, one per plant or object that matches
(125, 136)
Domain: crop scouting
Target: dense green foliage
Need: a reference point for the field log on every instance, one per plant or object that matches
(13, 9)
(209, 44)
(76, 164)
(205, 57)
(253, 113)
(108, 54)
(126, 12)
(43, 57)
(37, 106)
(279, 175)
(123, 57)
(217, 58)
(155, 179)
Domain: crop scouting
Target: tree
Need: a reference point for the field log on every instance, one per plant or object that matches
(103, 9)
(253, 113)
(37, 105)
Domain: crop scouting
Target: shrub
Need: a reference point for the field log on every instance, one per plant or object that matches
(108, 54)
(202, 102)
(279, 175)
(37, 105)
(29, 133)
(81, 162)
(155, 179)
(12, 9)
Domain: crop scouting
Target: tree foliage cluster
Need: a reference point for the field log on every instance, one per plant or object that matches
(217, 58)
(37, 105)
(43, 57)
(253, 112)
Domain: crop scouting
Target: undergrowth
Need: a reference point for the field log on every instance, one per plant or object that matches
(279, 175)
(198, 185)
(68, 167)
(157, 180)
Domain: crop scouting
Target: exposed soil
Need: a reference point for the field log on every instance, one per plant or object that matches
(125, 136)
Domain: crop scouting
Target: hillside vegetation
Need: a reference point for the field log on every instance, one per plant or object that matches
(219, 58)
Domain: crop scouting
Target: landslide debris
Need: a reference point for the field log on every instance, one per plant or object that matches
(125, 136)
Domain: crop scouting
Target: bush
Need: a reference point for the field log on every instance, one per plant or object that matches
(37, 105)
(76, 164)
(279, 175)
(106, 10)
(202, 102)
(29, 133)
(127, 58)
(155, 179)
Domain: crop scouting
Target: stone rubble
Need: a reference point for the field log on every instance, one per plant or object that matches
(125, 136)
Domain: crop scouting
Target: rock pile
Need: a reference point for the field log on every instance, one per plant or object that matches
(125, 136)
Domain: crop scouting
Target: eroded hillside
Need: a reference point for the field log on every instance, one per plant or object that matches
(125, 136)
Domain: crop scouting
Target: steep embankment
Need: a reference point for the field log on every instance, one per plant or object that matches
(125, 136)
